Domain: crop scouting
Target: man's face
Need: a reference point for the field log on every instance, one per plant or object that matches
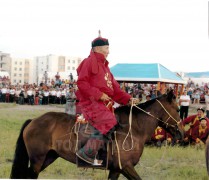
(104, 50)
(200, 113)
(203, 123)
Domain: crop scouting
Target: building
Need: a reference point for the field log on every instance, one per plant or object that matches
(5, 62)
(20, 71)
(71, 64)
(46, 67)
(39, 69)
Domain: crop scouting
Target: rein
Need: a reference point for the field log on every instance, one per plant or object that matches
(168, 114)
(148, 113)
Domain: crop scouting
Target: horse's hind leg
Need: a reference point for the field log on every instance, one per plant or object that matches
(35, 166)
(130, 173)
(40, 163)
(113, 175)
(31, 174)
(50, 158)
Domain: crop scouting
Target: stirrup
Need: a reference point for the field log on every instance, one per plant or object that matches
(94, 162)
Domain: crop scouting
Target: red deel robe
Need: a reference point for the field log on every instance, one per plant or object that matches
(159, 131)
(95, 78)
(193, 121)
(201, 133)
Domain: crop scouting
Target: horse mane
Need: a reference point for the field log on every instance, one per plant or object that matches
(126, 109)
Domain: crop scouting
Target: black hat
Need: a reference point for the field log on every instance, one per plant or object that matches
(201, 109)
(99, 41)
(203, 118)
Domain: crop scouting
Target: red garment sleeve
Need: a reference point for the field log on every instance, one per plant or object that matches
(188, 119)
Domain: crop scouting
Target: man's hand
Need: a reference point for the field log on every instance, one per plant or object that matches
(133, 101)
(169, 140)
(105, 97)
(159, 136)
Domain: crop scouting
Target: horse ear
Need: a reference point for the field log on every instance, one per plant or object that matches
(170, 96)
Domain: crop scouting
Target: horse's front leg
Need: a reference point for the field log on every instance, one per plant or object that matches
(130, 173)
(113, 175)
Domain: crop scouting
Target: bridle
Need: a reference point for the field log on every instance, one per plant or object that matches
(165, 122)
(148, 113)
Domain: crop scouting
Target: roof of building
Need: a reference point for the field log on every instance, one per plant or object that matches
(197, 74)
(151, 73)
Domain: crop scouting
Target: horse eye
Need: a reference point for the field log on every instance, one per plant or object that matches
(178, 110)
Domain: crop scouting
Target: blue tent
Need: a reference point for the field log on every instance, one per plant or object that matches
(150, 73)
(197, 74)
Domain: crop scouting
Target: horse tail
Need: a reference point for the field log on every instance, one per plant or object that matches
(21, 159)
(207, 154)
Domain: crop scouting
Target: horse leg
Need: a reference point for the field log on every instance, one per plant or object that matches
(50, 158)
(39, 163)
(31, 174)
(35, 167)
(130, 173)
(113, 175)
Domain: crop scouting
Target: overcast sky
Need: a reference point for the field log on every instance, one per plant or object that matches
(173, 33)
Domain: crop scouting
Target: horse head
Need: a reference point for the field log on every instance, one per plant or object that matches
(170, 119)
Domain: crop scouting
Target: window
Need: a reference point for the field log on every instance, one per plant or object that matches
(73, 61)
(61, 60)
(15, 74)
(20, 69)
(15, 69)
(15, 62)
(68, 68)
(73, 68)
(20, 75)
(20, 81)
(14, 81)
(69, 61)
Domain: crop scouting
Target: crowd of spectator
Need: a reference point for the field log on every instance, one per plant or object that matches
(4, 80)
(196, 126)
(32, 94)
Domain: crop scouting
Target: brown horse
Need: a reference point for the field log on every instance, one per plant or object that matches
(44, 139)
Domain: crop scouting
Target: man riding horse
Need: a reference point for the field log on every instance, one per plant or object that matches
(97, 88)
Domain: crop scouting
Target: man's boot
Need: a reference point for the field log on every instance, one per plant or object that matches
(89, 151)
